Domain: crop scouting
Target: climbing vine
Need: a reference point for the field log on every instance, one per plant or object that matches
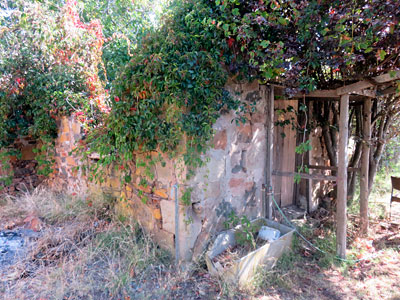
(170, 93)
(311, 44)
(49, 68)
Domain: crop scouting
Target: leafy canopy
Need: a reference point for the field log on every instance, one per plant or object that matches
(312, 44)
(171, 91)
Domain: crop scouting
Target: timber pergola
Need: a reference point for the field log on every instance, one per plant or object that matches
(365, 90)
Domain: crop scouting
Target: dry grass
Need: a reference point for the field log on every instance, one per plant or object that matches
(83, 252)
(54, 207)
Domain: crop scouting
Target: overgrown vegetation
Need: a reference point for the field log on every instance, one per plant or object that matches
(166, 98)
(180, 70)
(307, 273)
(246, 235)
(94, 254)
(172, 88)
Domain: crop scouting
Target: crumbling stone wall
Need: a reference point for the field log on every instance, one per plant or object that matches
(22, 169)
(230, 182)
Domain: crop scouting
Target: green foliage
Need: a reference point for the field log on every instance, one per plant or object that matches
(45, 159)
(48, 66)
(33, 86)
(187, 197)
(125, 23)
(245, 235)
(167, 96)
(310, 44)
(6, 172)
(303, 147)
(170, 94)
(390, 157)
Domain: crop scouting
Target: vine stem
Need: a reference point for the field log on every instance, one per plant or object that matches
(300, 168)
(66, 99)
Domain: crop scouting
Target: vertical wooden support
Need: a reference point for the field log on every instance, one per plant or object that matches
(270, 153)
(177, 250)
(341, 208)
(309, 185)
(364, 192)
(309, 182)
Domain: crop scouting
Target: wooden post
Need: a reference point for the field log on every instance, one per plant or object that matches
(270, 147)
(341, 208)
(364, 192)
(309, 185)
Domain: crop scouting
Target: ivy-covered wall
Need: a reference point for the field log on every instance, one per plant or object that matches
(230, 181)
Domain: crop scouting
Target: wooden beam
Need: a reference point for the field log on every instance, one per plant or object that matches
(364, 192)
(323, 94)
(365, 84)
(350, 169)
(355, 87)
(366, 93)
(319, 94)
(387, 77)
(309, 188)
(278, 86)
(341, 208)
(387, 91)
(358, 88)
(269, 94)
(304, 175)
(330, 95)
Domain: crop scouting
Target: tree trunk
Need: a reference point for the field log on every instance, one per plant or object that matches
(377, 150)
(355, 159)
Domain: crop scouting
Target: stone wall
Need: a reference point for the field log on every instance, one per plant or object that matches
(230, 182)
(233, 178)
(66, 177)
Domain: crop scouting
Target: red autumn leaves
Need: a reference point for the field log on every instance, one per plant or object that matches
(98, 95)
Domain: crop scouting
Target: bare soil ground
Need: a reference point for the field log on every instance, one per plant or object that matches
(83, 252)
(376, 277)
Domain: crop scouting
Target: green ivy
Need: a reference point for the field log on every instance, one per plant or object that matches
(170, 94)
(7, 172)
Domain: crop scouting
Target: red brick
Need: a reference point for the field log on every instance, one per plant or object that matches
(220, 140)
(71, 161)
(64, 138)
(239, 186)
(245, 133)
(235, 182)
